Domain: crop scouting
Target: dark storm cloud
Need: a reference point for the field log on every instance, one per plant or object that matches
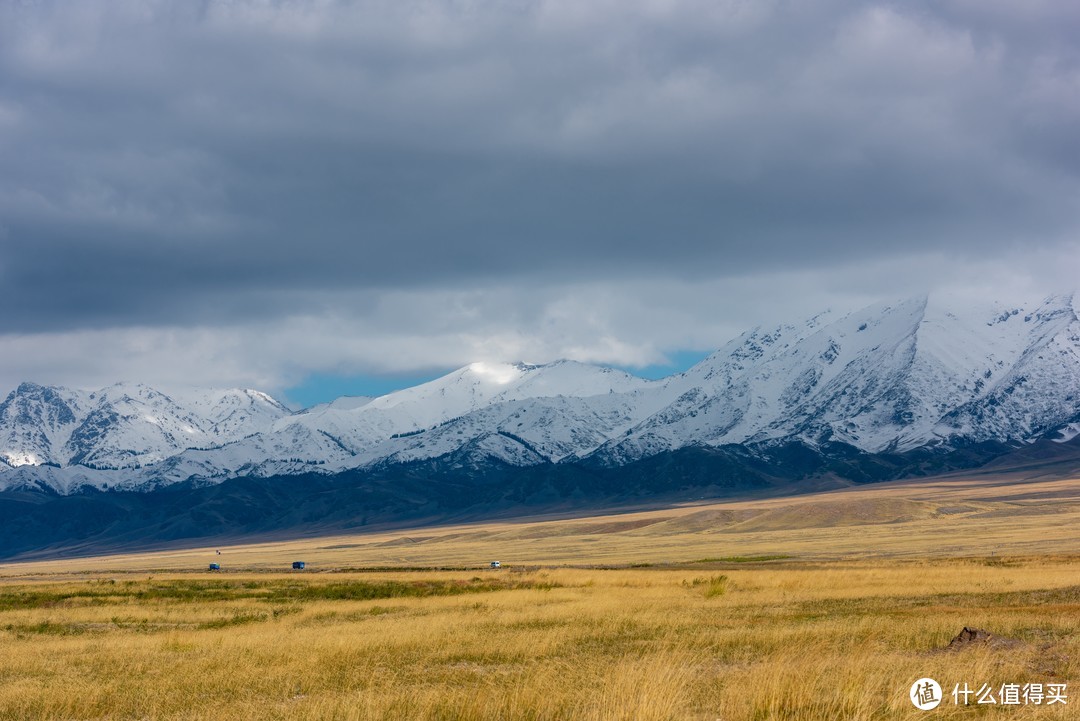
(201, 163)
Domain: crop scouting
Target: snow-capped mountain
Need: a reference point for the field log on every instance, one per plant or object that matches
(890, 377)
(467, 390)
(124, 426)
(919, 373)
(425, 421)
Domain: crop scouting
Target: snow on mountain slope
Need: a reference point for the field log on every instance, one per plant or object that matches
(551, 429)
(125, 425)
(482, 384)
(344, 403)
(1036, 390)
(355, 432)
(476, 386)
(533, 430)
(35, 423)
(890, 377)
(69, 479)
(774, 383)
(134, 425)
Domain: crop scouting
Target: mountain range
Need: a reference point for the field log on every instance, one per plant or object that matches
(898, 387)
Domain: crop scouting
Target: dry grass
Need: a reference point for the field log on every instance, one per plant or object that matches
(830, 632)
(791, 642)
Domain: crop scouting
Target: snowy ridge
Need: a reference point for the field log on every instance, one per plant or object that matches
(921, 372)
(889, 377)
(125, 425)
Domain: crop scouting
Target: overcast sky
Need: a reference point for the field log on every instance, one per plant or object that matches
(274, 194)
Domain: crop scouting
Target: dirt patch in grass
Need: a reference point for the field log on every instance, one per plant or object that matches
(974, 637)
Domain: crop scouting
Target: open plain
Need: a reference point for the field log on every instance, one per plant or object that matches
(822, 606)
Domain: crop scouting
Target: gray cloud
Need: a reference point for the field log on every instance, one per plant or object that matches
(230, 165)
(630, 321)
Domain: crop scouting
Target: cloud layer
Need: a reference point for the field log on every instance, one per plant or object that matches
(409, 183)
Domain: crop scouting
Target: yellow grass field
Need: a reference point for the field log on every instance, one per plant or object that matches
(825, 606)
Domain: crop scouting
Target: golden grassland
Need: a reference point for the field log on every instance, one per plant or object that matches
(665, 614)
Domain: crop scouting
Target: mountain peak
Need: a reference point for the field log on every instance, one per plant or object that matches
(922, 372)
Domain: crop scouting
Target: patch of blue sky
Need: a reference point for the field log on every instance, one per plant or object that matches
(678, 361)
(324, 387)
